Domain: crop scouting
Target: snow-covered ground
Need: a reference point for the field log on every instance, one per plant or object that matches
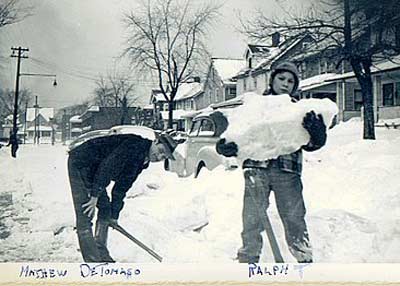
(351, 189)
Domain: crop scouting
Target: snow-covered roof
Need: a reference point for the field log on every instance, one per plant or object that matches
(185, 90)
(75, 119)
(381, 66)
(276, 53)
(316, 81)
(149, 106)
(46, 112)
(227, 68)
(76, 129)
(40, 128)
(188, 90)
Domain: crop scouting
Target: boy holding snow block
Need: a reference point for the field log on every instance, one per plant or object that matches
(99, 157)
(281, 175)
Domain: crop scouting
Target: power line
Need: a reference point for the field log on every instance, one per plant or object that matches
(83, 75)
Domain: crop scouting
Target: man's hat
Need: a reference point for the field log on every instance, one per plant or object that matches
(169, 143)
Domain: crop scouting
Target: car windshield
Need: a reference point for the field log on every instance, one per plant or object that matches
(195, 128)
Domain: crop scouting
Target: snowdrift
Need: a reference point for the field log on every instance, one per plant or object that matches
(265, 127)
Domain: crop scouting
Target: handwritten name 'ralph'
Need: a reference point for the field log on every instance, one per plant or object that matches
(269, 270)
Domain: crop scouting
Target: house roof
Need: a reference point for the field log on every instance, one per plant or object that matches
(185, 90)
(379, 66)
(40, 128)
(75, 119)
(271, 54)
(46, 112)
(256, 49)
(227, 68)
(316, 81)
(277, 52)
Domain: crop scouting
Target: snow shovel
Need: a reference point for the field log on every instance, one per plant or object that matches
(272, 240)
(135, 240)
(270, 232)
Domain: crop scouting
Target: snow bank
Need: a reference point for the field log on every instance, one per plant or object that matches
(265, 127)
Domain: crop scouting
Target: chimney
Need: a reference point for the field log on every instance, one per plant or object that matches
(276, 39)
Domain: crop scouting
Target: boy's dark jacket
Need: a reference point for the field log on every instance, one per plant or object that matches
(119, 158)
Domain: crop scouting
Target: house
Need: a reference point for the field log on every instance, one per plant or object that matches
(184, 103)
(219, 84)
(386, 91)
(34, 126)
(75, 124)
(261, 59)
(97, 118)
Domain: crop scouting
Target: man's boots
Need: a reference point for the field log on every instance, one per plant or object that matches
(87, 244)
(101, 234)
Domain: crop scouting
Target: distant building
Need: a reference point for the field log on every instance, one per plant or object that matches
(219, 84)
(183, 104)
(34, 126)
(96, 118)
(75, 123)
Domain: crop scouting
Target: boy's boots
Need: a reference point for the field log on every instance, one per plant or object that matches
(101, 234)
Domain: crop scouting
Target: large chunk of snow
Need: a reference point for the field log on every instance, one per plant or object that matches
(265, 127)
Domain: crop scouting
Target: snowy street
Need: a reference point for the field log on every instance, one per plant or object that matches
(351, 191)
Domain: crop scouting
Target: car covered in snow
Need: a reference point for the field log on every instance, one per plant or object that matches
(198, 151)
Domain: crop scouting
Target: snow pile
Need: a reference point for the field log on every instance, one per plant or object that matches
(265, 127)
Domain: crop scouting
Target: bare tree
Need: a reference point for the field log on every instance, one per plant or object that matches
(357, 30)
(7, 102)
(12, 12)
(117, 90)
(166, 38)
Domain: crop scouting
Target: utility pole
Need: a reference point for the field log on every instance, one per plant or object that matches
(37, 127)
(19, 56)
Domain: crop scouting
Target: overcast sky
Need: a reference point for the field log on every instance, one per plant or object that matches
(79, 39)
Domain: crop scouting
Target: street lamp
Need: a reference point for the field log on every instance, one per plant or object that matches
(16, 102)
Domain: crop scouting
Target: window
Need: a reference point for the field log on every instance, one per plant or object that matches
(232, 90)
(250, 63)
(195, 128)
(46, 133)
(255, 82)
(357, 99)
(303, 69)
(207, 128)
(397, 35)
(322, 66)
(245, 84)
(397, 94)
(388, 94)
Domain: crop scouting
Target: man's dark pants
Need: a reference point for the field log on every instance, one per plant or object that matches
(287, 188)
(81, 183)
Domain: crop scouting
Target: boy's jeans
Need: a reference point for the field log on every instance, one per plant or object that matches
(287, 188)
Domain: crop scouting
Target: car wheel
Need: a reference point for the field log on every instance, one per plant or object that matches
(199, 167)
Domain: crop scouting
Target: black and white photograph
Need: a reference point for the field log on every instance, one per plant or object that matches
(195, 131)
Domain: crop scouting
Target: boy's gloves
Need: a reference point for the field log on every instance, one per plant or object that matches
(227, 149)
(316, 128)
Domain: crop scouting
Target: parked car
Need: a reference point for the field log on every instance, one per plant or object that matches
(198, 151)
